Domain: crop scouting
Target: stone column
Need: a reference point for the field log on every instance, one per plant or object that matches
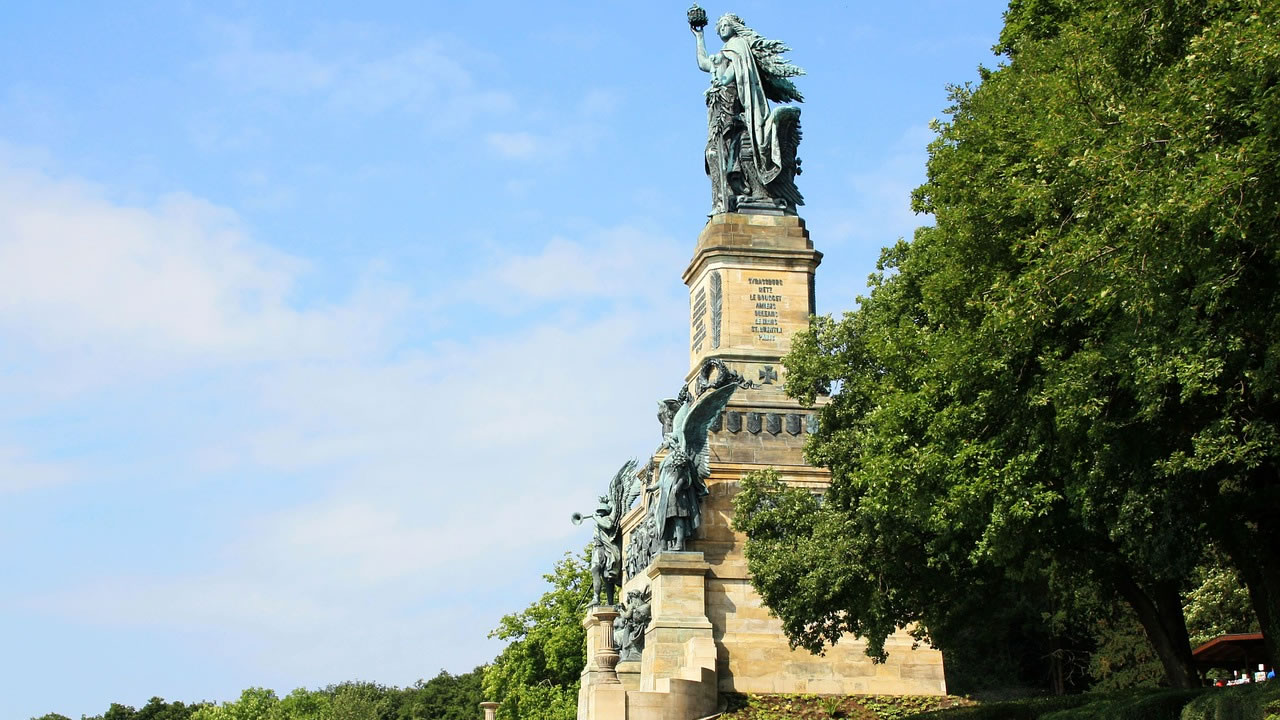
(601, 695)
(606, 654)
(490, 708)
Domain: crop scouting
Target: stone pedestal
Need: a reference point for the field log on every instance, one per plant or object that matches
(750, 289)
(629, 674)
(601, 695)
(606, 654)
(489, 708)
(604, 702)
(679, 625)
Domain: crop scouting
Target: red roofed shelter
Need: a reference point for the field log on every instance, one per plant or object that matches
(1231, 652)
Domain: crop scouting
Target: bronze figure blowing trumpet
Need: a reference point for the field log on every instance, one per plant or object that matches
(578, 517)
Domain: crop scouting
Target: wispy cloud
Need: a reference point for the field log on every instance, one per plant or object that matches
(553, 133)
(177, 281)
(20, 472)
(519, 145)
(617, 262)
(879, 209)
(417, 467)
(426, 78)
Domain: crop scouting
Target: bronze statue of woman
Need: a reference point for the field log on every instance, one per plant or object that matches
(750, 153)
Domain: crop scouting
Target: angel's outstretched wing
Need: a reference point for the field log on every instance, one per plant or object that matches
(634, 486)
(618, 487)
(693, 423)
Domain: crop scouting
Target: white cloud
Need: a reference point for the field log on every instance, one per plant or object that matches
(422, 468)
(177, 281)
(424, 78)
(557, 134)
(19, 472)
(599, 102)
(879, 211)
(613, 263)
(519, 145)
(274, 71)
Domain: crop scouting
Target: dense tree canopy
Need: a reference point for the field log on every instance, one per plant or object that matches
(444, 697)
(1073, 379)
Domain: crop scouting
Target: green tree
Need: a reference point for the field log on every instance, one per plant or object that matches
(155, 709)
(362, 701)
(536, 677)
(444, 697)
(119, 711)
(254, 704)
(1218, 605)
(303, 704)
(1123, 658)
(1073, 379)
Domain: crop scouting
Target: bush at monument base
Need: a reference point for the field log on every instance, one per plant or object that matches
(886, 707)
(1247, 702)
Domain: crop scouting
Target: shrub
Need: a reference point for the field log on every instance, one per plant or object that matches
(1162, 704)
(1242, 702)
(1030, 709)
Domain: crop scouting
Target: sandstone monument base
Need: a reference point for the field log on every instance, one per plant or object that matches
(750, 289)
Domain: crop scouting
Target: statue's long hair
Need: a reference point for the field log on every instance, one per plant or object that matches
(774, 69)
(739, 28)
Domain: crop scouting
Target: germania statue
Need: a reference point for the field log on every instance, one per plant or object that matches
(751, 150)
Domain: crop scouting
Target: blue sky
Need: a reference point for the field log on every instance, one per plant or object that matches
(317, 320)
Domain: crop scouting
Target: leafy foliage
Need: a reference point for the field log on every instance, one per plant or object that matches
(1071, 384)
(1027, 709)
(1146, 704)
(1218, 605)
(537, 675)
(853, 707)
(1241, 702)
(1163, 704)
(254, 704)
(155, 709)
(1123, 658)
(444, 697)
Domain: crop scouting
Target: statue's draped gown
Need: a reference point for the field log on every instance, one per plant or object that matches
(680, 495)
(737, 116)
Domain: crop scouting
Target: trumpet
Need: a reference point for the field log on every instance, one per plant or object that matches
(578, 517)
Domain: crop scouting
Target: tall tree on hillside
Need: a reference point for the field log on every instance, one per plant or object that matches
(444, 697)
(536, 676)
(155, 709)
(1074, 377)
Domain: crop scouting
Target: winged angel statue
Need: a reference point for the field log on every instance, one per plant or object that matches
(684, 470)
(751, 150)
